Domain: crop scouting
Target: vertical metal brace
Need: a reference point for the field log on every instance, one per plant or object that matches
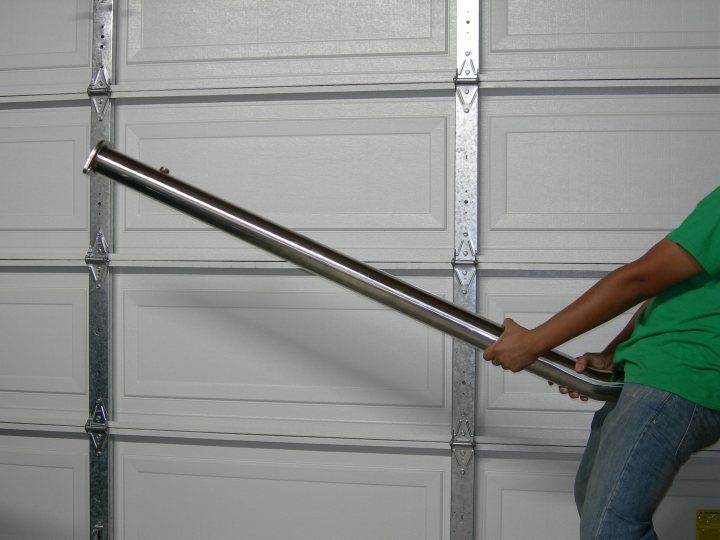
(100, 280)
(462, 443)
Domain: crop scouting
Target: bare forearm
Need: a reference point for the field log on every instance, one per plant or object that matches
(612, 295)
(665, 264)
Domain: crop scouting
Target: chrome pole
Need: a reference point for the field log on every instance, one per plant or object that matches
(357, 276)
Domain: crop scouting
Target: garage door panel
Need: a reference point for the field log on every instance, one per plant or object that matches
(43, 329)
(366, 176)
(43, 192)
(48, 497)
(585, 39)
(273, 43)
(697, 487)
(188, 491)
(245, 348)
(543, 488)
(46, 46)
(592, 179)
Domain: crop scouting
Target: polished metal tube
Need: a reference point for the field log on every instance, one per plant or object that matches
(384, 288)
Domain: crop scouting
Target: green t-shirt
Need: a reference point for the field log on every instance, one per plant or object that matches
(676, 342)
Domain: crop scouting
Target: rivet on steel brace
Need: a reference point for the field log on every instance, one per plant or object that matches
(467, 96)
(97, 426)
(464, 262)
(466, 81)
(462, 445)
(99, 92)
(96, 533)
(97, 259)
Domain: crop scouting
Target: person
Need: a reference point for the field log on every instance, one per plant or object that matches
(668, 357)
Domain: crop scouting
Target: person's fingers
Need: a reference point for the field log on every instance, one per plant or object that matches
(509, 325)
(570, 393)
(581, 363)
(489, 353)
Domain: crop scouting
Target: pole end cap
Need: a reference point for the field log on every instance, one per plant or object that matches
(88, 167)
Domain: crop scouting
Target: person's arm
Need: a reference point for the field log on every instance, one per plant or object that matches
(664, 265)
(603, 359)
(623, 336)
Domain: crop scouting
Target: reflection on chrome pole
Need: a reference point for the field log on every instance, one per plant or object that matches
(319, 259)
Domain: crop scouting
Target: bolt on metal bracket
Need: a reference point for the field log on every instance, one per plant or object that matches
(463, 454)
(464, 262)
(467, 72)
(97, 426)
(100, 104)
(465, 253)
(97, 531)
(99, 92)
(462, 445)
(97, 259)
(100, 83)
(467, 96)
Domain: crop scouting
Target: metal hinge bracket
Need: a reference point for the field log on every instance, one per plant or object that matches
(98, 258)
(464, 262)
(467, 73)
(99, 92)
(467, 96)
(97, 426)
(97, 530)
(467, 80)
(462, 445)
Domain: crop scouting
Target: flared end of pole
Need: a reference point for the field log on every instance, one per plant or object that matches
(88, 167)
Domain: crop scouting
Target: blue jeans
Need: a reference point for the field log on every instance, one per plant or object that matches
(635, 449)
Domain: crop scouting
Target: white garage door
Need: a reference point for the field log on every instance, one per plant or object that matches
(248, 399)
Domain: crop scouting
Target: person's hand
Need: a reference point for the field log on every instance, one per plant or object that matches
(601, 360)
(514, 349)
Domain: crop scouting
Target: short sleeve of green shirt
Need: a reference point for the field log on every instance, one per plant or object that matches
(699, 234)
